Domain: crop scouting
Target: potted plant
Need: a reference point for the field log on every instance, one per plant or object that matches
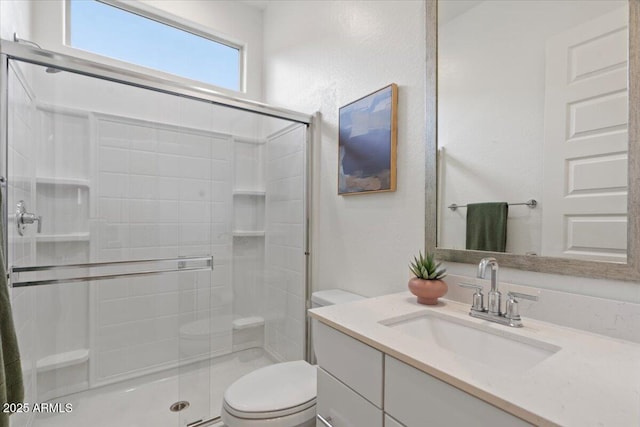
(427, 285)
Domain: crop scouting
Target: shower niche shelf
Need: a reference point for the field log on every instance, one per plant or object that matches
(248, 233)
(62, 360)
(249, 193)
(63, 203)
(248, 213)
(74, 182)
(68, 237)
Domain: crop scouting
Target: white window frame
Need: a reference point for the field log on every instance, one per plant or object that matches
(165, 18)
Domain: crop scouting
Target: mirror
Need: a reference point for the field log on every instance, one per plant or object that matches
(532, 103)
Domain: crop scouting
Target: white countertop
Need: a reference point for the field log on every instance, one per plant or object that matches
(593, 380)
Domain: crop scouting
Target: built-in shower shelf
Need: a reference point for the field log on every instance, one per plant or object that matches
(75, 182)
(62, 360)
(254, 193)
(69, 237)
(247, 233)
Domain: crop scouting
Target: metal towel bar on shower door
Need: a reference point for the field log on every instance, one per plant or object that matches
(182, 265)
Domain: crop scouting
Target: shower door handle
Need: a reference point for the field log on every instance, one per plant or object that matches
(24, 218)
(54, 274)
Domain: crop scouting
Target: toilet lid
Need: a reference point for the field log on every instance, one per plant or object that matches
(283, 387)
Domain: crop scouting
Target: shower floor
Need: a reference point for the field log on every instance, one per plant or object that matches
(145, 402)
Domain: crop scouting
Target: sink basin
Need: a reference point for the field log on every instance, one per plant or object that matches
(499, 349)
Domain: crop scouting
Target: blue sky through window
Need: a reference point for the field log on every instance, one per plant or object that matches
(106, 30)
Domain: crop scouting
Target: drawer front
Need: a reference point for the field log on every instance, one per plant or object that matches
(351, 361)
(390, 422)
(342, 407)
(417, 399)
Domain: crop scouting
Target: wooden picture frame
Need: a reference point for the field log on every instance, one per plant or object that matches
(367, 143)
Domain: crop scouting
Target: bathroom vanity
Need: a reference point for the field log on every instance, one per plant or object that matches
(388, 361)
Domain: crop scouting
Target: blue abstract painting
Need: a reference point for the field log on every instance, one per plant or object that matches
(367, 143)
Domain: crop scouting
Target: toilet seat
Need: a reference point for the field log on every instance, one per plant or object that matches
(280, 391)
(271, 414)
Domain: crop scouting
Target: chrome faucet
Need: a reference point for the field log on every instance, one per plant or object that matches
(495, 296)
(511, 316)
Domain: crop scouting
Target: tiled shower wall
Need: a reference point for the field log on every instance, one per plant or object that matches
(284, 244)
(162, 191)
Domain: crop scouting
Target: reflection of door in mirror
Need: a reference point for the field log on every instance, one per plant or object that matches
(586, 142)
(496, 117)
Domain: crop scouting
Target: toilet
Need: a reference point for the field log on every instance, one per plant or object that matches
(280, 395)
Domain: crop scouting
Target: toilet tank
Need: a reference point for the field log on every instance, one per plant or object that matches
(332, 296)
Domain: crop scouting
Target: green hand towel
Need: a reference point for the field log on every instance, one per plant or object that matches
(11, 388)
(487, 226)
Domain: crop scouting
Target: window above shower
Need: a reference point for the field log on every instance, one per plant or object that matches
(136, 36)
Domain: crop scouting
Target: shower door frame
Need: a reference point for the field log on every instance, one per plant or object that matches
(30, 54)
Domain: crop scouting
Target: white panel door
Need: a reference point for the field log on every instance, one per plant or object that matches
(585, 147)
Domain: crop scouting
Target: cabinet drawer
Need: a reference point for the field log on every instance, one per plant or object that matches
(412, 397)
(351, 361)
(342, 407)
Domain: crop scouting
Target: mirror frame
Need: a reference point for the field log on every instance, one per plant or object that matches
(542, 264)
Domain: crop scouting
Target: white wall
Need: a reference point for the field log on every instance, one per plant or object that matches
(229, 20)
(320, 55)
(15, 17)
(491, 93)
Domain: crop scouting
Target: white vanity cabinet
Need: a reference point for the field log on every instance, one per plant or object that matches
(350, 377)
(361, 386)
(417, 399)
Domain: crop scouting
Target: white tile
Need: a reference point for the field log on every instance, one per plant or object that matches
(111, 363)
(143, 211)
(142, 187)
(188, 301)
(167, 304)
(152, 354)
(168, 141)
(139, 308)
(196, 189)
(195, 168)
(143, 235)
(194, 145)
(167, 327)
(168, 188)
(113, 160)
(167, 234)
(143, 163)
(110, 210)
(113, 185)
(169, 165)
(167, 211)
(194, 234)
(191, 212)
(112, 289)
(142, 137)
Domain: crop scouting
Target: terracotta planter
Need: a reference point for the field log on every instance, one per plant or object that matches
(427, 291)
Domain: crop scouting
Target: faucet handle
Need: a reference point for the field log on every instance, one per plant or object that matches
(478, 297)
(522, 296)
(512, 311)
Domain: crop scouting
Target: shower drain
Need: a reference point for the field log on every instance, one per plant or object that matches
(179, 406)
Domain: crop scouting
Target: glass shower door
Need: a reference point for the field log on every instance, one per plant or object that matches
(111, 197)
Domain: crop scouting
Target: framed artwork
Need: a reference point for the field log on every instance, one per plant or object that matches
(368, 132)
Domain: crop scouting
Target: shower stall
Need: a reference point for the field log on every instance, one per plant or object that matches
(156, 240)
